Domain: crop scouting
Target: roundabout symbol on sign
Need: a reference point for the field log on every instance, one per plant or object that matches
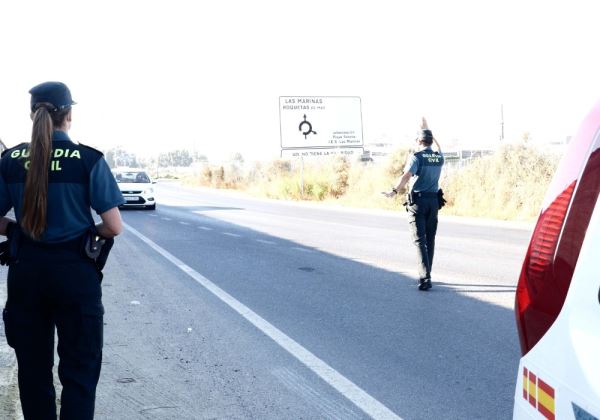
(306, 132)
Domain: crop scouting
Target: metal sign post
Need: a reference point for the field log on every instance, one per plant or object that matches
(302, 177)
(320, 127)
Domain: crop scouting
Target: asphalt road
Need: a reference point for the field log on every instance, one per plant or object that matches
(222, 306)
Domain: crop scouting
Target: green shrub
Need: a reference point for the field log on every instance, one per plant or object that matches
(341, 169)
(206, 176)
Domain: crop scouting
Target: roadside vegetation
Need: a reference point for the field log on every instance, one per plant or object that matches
(507, 185)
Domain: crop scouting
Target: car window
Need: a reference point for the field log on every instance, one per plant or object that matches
(132, 177)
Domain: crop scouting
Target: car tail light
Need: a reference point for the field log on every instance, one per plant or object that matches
(545, 239)
(534, 312)
(558, 235)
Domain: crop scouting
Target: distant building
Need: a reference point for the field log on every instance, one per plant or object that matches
(558, 146)
(376, 152)
(459, 158)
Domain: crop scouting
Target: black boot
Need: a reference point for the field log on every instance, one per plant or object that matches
(424, 284)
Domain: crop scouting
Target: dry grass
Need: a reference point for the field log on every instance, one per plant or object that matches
(508, 185)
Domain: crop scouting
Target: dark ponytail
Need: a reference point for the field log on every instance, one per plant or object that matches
(35, 197)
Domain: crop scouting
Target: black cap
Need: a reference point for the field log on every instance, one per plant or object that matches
(426, 136)
(55, 93)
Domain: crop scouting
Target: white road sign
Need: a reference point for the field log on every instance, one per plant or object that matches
(322, 152)
(320, 121)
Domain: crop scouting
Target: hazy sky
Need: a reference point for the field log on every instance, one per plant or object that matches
(152, 76)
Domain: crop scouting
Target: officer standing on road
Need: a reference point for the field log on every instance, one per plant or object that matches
(424, 199)
(55, 256)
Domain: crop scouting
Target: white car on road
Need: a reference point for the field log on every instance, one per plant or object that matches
(558, 295)
(137, 188)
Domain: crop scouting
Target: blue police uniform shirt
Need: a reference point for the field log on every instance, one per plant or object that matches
(79, 180)
(426, 167)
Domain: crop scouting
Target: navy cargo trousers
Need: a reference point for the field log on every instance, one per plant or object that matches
(423, 221)
(55, 287)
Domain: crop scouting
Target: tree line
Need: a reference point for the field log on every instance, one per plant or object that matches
(119, 157)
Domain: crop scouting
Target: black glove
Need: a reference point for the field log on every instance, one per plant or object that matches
(441, 199)
(4, 252)
(5, 247)
(10, 229)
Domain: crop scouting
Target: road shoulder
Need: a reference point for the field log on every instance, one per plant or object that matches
(9, 392)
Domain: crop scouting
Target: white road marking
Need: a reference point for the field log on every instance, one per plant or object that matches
(204, 228)
(152, 214)
(235, 235)
(343, 385)
(184, 223)
(331, 409)
(262, 241)
(166, 219)
(297, 248)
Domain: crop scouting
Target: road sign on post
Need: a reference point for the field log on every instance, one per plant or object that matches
(349, 152)
(320, 122)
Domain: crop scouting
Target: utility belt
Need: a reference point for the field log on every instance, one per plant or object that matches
(18, 240)
(89, 245)
(412, 197)
(425, 194)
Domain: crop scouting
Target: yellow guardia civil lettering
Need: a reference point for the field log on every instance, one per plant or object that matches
(66, 153)
(56, 153)
(54, 165)
(19, 153)
(432, 157)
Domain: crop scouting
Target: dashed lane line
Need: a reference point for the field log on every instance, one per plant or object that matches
(297, 248)
(264, 241)
(343, 385)
(235, 235)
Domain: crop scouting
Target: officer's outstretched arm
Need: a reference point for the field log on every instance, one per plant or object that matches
(111, 224)
(401, 184)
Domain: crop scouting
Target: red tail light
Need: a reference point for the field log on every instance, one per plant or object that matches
(553, 253)
(545, 238)
(533, 297)
(558, 235)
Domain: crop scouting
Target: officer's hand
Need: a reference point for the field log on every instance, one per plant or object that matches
(389, 194)
(424, 125)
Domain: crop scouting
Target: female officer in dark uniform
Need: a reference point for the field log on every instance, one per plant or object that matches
(52, 184)
(424, 200)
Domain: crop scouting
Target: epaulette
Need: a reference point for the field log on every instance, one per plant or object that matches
(91, 148)
(5, 151)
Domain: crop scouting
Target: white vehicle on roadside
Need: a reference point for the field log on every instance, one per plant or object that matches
(137, 188)
(558, 295)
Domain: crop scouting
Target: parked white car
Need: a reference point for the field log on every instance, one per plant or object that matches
(137, 188)
(558, 295)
